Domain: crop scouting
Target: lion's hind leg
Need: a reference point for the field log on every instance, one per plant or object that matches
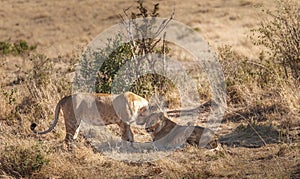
(126, 132)
(72, 127)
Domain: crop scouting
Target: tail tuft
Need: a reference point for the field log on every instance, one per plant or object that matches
(33, 126)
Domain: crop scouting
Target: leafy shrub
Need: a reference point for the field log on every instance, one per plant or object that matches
(5, 47)
(281, 35)
(16, 48)
(20, 161)
(112, 64)
(109, 65)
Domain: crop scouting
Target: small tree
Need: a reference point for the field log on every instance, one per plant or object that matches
(114, 57)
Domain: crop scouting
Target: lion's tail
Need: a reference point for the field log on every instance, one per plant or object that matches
(57, 110)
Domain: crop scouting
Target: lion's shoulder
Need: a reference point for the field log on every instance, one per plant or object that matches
(133, 97)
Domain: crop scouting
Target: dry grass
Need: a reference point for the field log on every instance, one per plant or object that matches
(276, 160)
(259, 133)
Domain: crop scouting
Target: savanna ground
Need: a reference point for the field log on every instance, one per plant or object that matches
(259, 132)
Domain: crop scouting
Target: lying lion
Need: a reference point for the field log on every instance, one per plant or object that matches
(171, 134)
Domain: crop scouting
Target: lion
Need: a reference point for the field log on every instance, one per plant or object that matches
(98, 109)
(168, 132)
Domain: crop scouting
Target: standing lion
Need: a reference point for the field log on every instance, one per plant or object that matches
(98, 109)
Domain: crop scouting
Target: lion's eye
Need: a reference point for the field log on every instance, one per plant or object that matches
(143, 111)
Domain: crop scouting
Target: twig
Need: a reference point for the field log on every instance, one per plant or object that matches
(250, 126)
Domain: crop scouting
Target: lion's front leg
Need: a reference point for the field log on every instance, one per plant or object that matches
(126, 132)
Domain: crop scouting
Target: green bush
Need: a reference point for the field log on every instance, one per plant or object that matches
(109, 65)
(20, 161)
(112, 64)
(5, 48)
(17, 48)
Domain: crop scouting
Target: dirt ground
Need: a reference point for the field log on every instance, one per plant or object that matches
(63, 28)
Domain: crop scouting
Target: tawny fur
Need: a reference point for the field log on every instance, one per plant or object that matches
(160, 126)
(98, 109)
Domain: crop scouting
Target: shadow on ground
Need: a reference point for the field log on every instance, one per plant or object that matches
(252, 136)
